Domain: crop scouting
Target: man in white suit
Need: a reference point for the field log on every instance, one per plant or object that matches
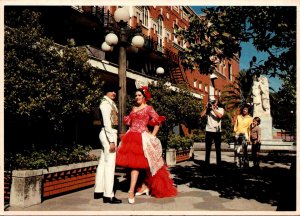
(104, 184)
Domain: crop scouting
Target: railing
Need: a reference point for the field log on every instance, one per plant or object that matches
(107, 21)
(288, 136)
(172, 61)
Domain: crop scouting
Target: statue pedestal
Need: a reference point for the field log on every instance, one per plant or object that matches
(277, 144)
(267, 140)
(266, 127)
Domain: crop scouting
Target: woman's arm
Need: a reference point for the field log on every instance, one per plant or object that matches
(155, 130)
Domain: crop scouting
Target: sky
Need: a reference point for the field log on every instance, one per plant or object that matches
(248, 51)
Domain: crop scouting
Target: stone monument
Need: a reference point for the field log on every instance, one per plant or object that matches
(261, 105)
(261, 109)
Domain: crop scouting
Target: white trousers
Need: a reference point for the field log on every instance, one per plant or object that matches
(105, 172)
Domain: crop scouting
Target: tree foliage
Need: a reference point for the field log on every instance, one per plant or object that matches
(284, 116)
(179, 106)
(44, 81)
(238, 93)
(217, 35)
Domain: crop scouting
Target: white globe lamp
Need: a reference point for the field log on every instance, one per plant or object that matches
(111, 39)
(122, 15)
(160, 70)
(138, 41)
(105, 47)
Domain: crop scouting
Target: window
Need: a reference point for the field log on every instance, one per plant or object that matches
(138, 17)
(195, 83)
(200, 85)
(229, 72)
(176, 39)
(145, 17)
(154, 28)
(160, 23)
(168, 37)
(185, 16)
(206, 88)
(176, 8)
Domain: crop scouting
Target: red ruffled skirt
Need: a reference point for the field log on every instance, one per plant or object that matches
(130, 154)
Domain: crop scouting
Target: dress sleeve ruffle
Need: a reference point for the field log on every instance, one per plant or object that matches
(127, 120)
(157, 120)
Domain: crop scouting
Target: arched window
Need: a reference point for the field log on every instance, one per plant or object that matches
(160, 26)
(145, 16)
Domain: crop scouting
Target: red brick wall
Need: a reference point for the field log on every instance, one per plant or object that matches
(65, 181)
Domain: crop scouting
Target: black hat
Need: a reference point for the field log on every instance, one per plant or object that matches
(110, 87)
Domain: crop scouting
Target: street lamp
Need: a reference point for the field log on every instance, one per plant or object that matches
(122, 16)
(160, 71)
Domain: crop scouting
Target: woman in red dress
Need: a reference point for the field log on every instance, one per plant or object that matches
(140, 150)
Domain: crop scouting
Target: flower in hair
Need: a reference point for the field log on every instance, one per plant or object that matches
(146, 92)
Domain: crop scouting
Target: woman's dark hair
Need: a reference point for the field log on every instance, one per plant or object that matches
(140, 90)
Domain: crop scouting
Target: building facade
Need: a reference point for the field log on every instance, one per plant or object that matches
(159, 25)
(87, 27)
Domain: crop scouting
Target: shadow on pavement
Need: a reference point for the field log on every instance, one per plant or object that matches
(272, 185)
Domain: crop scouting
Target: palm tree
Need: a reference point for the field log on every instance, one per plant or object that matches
(238, 93)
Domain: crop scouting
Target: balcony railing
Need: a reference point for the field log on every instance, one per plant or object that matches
(109, 24)
(168, 58)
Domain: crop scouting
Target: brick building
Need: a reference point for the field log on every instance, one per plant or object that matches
(159, 23)
(88, 26)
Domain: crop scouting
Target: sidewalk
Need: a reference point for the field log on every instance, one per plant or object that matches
(200, 191)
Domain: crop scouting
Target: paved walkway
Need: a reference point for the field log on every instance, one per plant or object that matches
(201, 191)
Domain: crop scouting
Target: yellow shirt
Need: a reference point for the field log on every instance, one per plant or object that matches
(242, 125)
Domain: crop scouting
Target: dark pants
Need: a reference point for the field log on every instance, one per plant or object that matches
(209, 137)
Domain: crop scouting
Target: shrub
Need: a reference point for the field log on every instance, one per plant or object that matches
(42, 159)
(174, 141)
(177, 142)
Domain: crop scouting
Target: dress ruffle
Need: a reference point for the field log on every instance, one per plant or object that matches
(157, 121)
(130, 152)
(161, 184)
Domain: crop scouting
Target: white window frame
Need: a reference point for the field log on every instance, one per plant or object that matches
(229, 71)
(195, 83)
(160, 26)
(145, 17)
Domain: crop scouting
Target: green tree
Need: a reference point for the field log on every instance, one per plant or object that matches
(44, 82)
(238, 93)
(218, 34)
(179, 106)
(285, 102)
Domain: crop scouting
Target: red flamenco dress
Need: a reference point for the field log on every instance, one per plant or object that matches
(141, 150)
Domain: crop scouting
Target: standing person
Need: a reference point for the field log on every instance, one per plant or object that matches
(105, 173)
(242, 131)
(214, 115)
(255, 138)
(141, 151)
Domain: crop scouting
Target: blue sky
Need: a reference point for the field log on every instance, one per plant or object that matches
(248, 51)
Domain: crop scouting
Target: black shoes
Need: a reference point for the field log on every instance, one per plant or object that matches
(98, 195)
(111, 200)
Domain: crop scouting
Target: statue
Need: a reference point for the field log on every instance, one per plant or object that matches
(261, 100)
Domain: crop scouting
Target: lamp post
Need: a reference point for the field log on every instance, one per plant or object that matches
(122, 16)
